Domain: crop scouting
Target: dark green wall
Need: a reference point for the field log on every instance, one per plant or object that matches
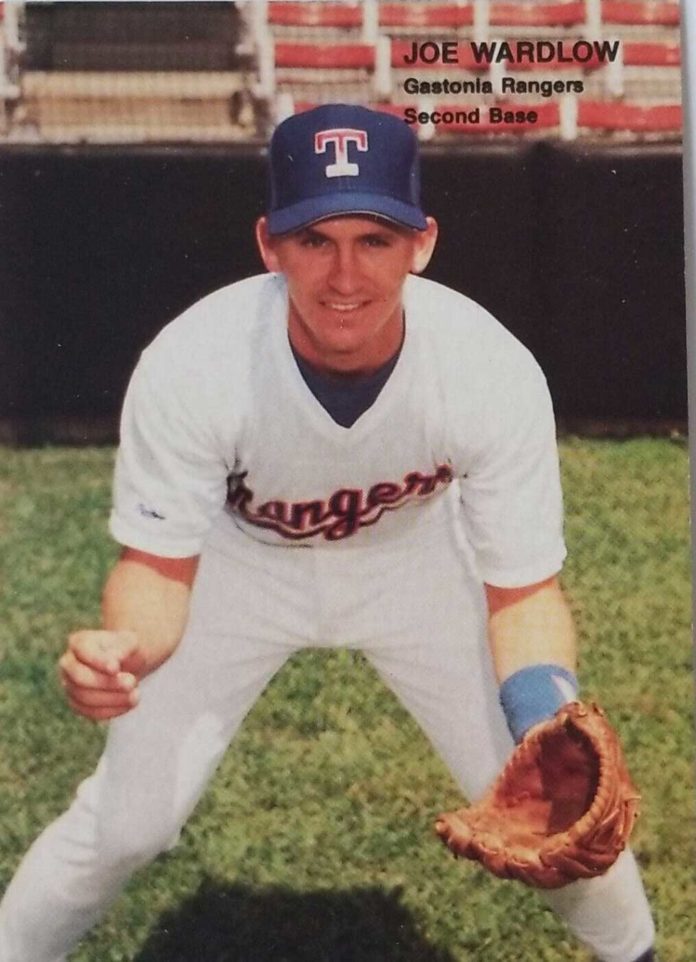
(577, 250)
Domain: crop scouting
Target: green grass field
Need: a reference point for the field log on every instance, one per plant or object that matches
(315, 840)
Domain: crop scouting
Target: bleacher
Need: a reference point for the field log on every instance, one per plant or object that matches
(222, 71)
(637, 96)
(135, 72)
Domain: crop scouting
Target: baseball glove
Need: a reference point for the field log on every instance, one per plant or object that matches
(562, 808)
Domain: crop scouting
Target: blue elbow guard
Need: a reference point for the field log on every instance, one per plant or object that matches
(535, 693)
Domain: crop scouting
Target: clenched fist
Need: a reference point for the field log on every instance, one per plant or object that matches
(100, 671)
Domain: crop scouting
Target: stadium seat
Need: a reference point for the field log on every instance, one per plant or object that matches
(330, 71)
(641, 20)
(412, 16)
(568, 14)
(640, 13)
(338, 56)
(317, 22)
(124, 106)
(308, 14)
(652, 54)
(633, 118)
(652, 72)
(514, 19)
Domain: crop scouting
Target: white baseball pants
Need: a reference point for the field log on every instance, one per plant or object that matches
(418, 616)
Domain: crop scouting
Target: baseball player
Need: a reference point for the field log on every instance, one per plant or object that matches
(334, 453)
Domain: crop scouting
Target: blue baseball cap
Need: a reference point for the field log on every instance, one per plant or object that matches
(343, 159)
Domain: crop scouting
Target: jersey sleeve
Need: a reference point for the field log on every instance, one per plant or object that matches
(511, 491)
(170, 479)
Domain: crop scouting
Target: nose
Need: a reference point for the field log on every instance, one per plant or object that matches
(344, 275)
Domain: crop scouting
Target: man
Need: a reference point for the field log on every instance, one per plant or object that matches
(334, 453)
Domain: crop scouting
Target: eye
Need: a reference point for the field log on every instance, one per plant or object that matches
(376, 240)
(312, 240)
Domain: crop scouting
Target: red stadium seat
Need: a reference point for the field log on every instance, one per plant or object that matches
(314, 15)
(356, 56)
(537, 15)
(425, 15)
(640, 12)
(652, 54)
(328, 70)
(657, 118)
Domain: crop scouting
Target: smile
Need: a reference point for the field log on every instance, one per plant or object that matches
(344, 308)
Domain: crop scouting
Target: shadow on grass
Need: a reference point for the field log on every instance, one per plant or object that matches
(236, 923)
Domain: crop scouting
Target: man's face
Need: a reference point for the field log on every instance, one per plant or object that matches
(345, 279)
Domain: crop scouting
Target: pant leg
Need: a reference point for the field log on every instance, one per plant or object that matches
(157, 760)
(609, 914)
(428, 644)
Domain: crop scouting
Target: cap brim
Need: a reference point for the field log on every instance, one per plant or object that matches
(314, 209)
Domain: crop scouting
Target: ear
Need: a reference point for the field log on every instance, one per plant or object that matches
(266, 247)
(425, 241)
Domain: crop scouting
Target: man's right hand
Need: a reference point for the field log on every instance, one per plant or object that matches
(100, 671)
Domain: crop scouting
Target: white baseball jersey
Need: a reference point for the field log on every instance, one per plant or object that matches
(220, 434)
